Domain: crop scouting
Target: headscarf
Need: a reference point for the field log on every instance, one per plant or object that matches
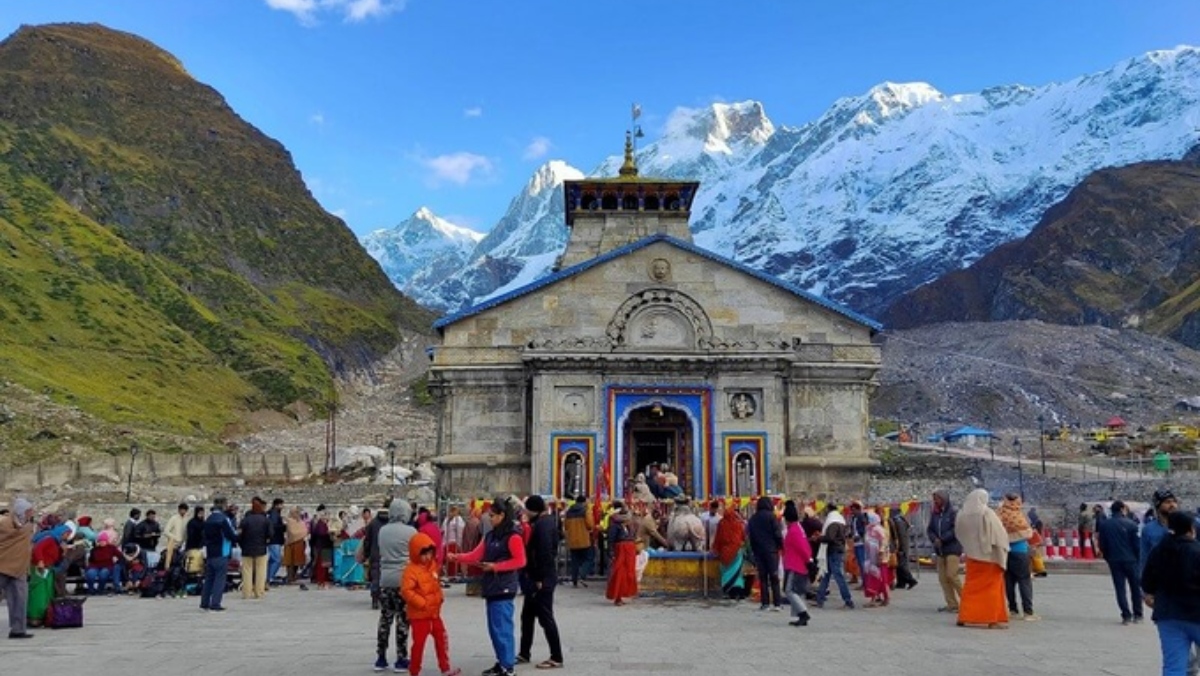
(1016, 524)
(980, 531)
(730, 536)
(20, 506)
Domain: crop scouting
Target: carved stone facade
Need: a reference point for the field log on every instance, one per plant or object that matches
(655, 352)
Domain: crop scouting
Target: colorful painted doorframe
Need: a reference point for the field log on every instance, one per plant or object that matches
(564, 447)
(695, 402)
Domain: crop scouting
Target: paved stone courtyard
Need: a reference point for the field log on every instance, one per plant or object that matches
(333, 632)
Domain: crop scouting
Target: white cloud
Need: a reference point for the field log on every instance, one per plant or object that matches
(351, 11)
(460, 167)
(340, 213)
(537, 148)
(475, 111)
(317, 119)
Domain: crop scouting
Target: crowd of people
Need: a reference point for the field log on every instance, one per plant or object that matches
(509, 548)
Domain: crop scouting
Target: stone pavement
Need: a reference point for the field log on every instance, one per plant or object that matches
(333, 633)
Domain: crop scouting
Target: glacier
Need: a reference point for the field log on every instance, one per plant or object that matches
(880, 194)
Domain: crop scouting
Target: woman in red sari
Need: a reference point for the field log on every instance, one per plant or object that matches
(876, 573)
(622, 579)
(728, 546)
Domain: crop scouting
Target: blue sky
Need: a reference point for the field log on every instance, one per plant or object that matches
(389, 105)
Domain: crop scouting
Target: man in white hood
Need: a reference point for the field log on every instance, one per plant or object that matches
(833, 542)
(16, 547)
(393, 559)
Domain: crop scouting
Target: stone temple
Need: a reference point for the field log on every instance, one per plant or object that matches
(643, 347)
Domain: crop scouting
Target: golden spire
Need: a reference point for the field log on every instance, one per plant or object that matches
(629, 168)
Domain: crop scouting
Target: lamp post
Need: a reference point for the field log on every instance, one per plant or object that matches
(133, 453)
(1020, 469)
(987, 422)
(1042, 439)
(391, 446)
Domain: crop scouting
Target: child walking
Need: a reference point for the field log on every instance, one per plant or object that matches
(422, 594)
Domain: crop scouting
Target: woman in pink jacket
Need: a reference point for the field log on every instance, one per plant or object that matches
(797, 553)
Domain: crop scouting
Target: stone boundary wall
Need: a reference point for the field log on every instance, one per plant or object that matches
(155, 467)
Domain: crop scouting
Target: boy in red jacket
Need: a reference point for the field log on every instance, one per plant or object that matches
(422, 593)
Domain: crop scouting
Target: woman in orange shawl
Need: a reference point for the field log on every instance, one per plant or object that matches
(727, 545)
(622, 579)
(985, 546)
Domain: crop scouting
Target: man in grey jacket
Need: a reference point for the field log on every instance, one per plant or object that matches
(393, 558)
(947, 548)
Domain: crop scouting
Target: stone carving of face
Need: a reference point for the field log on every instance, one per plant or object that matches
(660, 269)
(742, 405)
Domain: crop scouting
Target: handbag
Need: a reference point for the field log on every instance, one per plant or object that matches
(194, 563)
(65, 612)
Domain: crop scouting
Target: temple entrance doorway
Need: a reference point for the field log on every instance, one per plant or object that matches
(659, 434)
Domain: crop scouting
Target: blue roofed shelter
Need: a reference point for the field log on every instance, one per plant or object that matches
(645, 353)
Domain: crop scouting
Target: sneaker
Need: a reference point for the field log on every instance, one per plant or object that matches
(381, 663)
(776, 609)
(1137, 619)
(1126, 621)
(521, 659)
(1030, 617)
(401, 665)
(495, 670)
(763, 607)
(849, 605)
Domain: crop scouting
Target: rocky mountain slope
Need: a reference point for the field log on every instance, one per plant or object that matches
(1123, 249)
(1013, 371)
(164, 265)
(885, 191)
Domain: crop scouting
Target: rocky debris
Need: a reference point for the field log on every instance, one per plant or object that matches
(1012, 372)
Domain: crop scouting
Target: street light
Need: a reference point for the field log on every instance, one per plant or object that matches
(1042, 439)
(987, 422)
(391, 446)
(133, 452)
(1020, 470)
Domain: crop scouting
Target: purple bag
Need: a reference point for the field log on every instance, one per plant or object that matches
(65, 612)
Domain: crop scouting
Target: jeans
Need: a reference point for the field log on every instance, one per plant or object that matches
(540, 606)
(947, 570)
(797, 587)
(1177, 638)
(102, 576)
(500, 630)
(860, 557)
(213, 588)
(768, 578)
(1017, 574)
(834, 562)
(274, 561)
(1126, 573)
(16, 595)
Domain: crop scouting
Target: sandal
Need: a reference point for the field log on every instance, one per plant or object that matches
(549, 664)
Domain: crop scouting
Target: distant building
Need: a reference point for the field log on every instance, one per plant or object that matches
(644, 348)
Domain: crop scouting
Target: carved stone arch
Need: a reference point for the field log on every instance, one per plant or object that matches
(661, 318)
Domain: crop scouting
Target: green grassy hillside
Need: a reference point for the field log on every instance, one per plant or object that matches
(161, 262)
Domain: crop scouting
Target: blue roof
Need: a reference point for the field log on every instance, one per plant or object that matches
(641, 244)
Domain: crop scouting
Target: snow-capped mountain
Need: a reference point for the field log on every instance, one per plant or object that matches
(885, 191)
(421, 250)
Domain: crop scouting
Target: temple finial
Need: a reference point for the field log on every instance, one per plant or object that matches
(629, 167)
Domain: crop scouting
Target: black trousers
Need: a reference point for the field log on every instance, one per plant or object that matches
(1017, 575)
(904, 576)
(540, 605)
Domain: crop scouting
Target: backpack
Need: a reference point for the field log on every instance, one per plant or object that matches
(152, 584)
